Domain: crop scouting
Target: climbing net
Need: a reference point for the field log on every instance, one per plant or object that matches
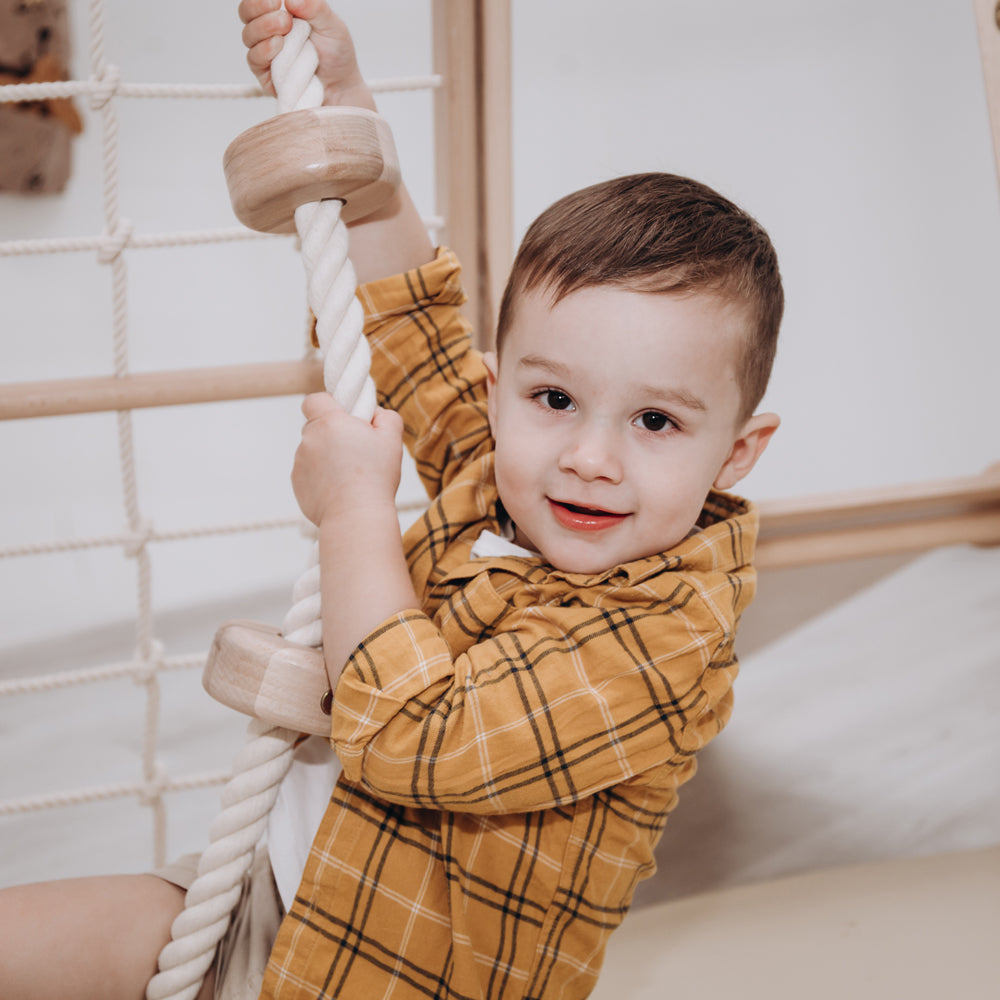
(150, 661)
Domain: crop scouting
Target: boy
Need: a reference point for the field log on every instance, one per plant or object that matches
(513, 721)
(522, 682)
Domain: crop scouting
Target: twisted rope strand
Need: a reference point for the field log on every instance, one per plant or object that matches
(104, 244)
(148, 535)
(117, 790)
(233, 835)
(61, 89)
(331, 286)
(93, 675)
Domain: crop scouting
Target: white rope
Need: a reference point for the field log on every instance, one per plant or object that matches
(63, 89)
(234, 834)
(148, 535)
(119, 790)
(331, 287)
(148, 791)
(92, 675)
(117, 231)
(105, 244)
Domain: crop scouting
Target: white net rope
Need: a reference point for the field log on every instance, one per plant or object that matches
(103, 89)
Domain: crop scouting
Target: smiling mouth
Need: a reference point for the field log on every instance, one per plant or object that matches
(579, 518)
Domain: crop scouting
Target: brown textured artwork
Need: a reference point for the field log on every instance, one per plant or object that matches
(35, 136)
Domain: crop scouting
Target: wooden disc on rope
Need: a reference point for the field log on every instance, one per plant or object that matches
(255, 670)
(306, 156)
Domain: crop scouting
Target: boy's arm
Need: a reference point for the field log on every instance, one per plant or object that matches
(553, 705)
(394, 239)
(345, 478)
(426, 369)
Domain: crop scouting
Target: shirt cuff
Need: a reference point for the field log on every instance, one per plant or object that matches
(438, 282)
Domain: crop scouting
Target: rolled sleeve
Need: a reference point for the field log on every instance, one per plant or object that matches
(403, 658)
(436, 283)
(426, 369)
(559, 706)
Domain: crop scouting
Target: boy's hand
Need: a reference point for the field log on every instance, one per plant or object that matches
(393, 239)
(266, 24)
(344, 465)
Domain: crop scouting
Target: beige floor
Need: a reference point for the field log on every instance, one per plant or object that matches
(869, 732)
(914, 928)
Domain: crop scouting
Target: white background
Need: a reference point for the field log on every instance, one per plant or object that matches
(856, 132)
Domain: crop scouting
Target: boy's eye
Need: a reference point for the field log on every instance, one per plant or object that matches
(555, 400)
(653, 420)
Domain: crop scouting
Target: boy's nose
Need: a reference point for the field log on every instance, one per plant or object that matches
(593, 455)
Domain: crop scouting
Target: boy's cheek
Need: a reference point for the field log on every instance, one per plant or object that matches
(491, 363)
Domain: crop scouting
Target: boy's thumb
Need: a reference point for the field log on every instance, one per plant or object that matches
(387, 420)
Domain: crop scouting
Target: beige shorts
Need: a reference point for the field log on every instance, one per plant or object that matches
(242, 954)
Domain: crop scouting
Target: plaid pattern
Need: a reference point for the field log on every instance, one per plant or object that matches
(512, 750)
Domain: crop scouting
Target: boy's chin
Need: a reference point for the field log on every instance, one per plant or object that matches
(571, 559)
(582, 563)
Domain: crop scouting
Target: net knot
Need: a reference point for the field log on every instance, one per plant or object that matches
(105, 86)
(139, 539)
(148, 664)
(112, 244)
(154, 787)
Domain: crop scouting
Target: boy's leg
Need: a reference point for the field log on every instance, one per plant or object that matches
(86, 938)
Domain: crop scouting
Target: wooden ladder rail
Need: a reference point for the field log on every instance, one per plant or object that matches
(473, 148)
(988, 23)
(883, 521)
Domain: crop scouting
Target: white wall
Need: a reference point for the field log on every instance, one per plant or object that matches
(856, 132)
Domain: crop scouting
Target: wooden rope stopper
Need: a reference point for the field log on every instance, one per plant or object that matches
(307, 156)
(275, 173)
(261, 674)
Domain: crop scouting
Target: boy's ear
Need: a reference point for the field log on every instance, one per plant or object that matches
(747, 448)
(492, 367)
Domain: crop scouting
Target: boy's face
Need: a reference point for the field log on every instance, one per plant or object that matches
(614, 413)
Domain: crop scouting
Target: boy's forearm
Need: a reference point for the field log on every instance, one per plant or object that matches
(394, 238)
(391, 241)
(365, 580)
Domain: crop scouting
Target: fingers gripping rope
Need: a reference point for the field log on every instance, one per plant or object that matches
(294, 71)
(260, 768)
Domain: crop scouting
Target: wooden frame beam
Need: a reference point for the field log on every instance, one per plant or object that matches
(988, 22)
(877, 522)
(61, 397)
(472, 122)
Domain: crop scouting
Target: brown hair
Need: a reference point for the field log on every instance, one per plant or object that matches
(657, 233)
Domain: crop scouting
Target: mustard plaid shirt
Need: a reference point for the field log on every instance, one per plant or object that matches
(510, 752)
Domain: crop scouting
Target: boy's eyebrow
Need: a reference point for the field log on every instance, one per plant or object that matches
(546, 364)
(674, 397)
(669, 397)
